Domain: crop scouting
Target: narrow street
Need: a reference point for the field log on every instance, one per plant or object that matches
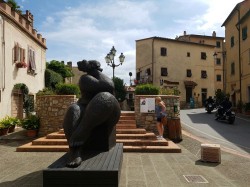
(232, 137)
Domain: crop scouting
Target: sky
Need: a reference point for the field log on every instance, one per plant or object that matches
(87, 29)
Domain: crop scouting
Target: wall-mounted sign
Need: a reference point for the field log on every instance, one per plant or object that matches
(147, 105)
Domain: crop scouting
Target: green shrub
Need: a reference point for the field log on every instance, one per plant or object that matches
(168, 91)
(67, 89)
(9, 121)
(146, 89)
(52, 78)
(45, 91)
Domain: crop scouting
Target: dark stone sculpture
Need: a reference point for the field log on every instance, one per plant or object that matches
(90, 123)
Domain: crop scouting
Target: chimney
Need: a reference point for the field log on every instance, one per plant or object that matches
(29, 17)
(69, 64)
(214, 34)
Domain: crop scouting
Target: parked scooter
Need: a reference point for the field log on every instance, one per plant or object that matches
(228, 115)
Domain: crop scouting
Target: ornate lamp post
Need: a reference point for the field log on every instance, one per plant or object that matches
(110, 59)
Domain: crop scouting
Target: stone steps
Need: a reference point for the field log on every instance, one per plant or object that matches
(133, 139)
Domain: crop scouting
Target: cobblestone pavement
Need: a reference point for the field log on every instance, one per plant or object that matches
(138, 169)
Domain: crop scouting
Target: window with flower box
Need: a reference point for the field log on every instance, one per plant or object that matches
(19, 56)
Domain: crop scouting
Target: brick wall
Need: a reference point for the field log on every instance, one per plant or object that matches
(148, 120)
(51, 110)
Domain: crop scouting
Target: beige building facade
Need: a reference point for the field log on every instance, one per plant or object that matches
(219, 55)
(22, 58)
(237, 35)
(169, 63)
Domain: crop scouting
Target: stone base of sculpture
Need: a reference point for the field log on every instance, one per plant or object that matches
(96, 169)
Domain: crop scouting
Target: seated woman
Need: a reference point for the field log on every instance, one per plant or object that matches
(96, 108)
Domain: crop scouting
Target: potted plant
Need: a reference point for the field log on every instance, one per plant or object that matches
(10, 123)
(13, 123)
(3, 130)
(31, 124)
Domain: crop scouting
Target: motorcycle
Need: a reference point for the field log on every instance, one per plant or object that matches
(210, 107)
(228, 116)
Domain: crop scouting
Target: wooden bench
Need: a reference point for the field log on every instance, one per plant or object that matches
(97, 169)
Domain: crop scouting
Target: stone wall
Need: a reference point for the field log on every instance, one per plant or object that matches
(148, 120)
(51, 110)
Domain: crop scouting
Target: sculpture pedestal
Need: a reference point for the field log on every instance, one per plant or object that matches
(97, 169)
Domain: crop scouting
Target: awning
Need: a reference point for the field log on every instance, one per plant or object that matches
(190, 84)
(170, 82)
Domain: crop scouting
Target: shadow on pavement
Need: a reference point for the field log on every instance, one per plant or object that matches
(32, 179)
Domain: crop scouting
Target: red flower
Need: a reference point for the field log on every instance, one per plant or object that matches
(21, 65)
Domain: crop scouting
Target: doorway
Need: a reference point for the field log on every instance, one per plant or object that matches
(203, 96)
(189, 94)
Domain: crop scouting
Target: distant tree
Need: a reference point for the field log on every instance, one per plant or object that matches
(120, 91)
(59, 67)
(14, 5)
(52, 79)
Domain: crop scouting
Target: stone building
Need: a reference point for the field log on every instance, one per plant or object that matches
(22, 58)
(171, 63)
(237, 26)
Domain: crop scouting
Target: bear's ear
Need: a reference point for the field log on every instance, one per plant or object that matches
(82, 65)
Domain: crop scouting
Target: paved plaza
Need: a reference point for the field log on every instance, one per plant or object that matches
(138, 169)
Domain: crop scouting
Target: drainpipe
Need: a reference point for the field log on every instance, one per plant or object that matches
(238, 28)
(3, 53)
(153, 60)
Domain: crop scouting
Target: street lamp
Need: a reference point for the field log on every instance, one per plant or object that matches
(110, 59)
(130, 74)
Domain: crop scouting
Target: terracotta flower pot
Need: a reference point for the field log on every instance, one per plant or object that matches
(4, 131)
(31, 133)
(12, 129)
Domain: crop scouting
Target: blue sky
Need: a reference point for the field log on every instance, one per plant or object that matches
(87, 29)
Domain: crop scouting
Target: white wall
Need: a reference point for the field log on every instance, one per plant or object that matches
(19, 75)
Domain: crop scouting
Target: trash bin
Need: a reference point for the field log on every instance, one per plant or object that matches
(191, 102)
(174, 129)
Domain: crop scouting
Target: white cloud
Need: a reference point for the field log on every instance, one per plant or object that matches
(90, 30)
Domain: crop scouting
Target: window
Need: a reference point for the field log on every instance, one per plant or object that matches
(244, 33)
(203, 55)
(218, 78)
(232, 41)
(188, 54)
(163, 51)
(148, 71)
(218, 44)
(218, 61)
(164, 71)
(189, 73)
(232, 68)
(31, 61)
(203, 74)
(138, 75)
(19, 54)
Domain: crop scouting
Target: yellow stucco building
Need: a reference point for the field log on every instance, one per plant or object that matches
(22, 58)
(237, 26)
(188, 66)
